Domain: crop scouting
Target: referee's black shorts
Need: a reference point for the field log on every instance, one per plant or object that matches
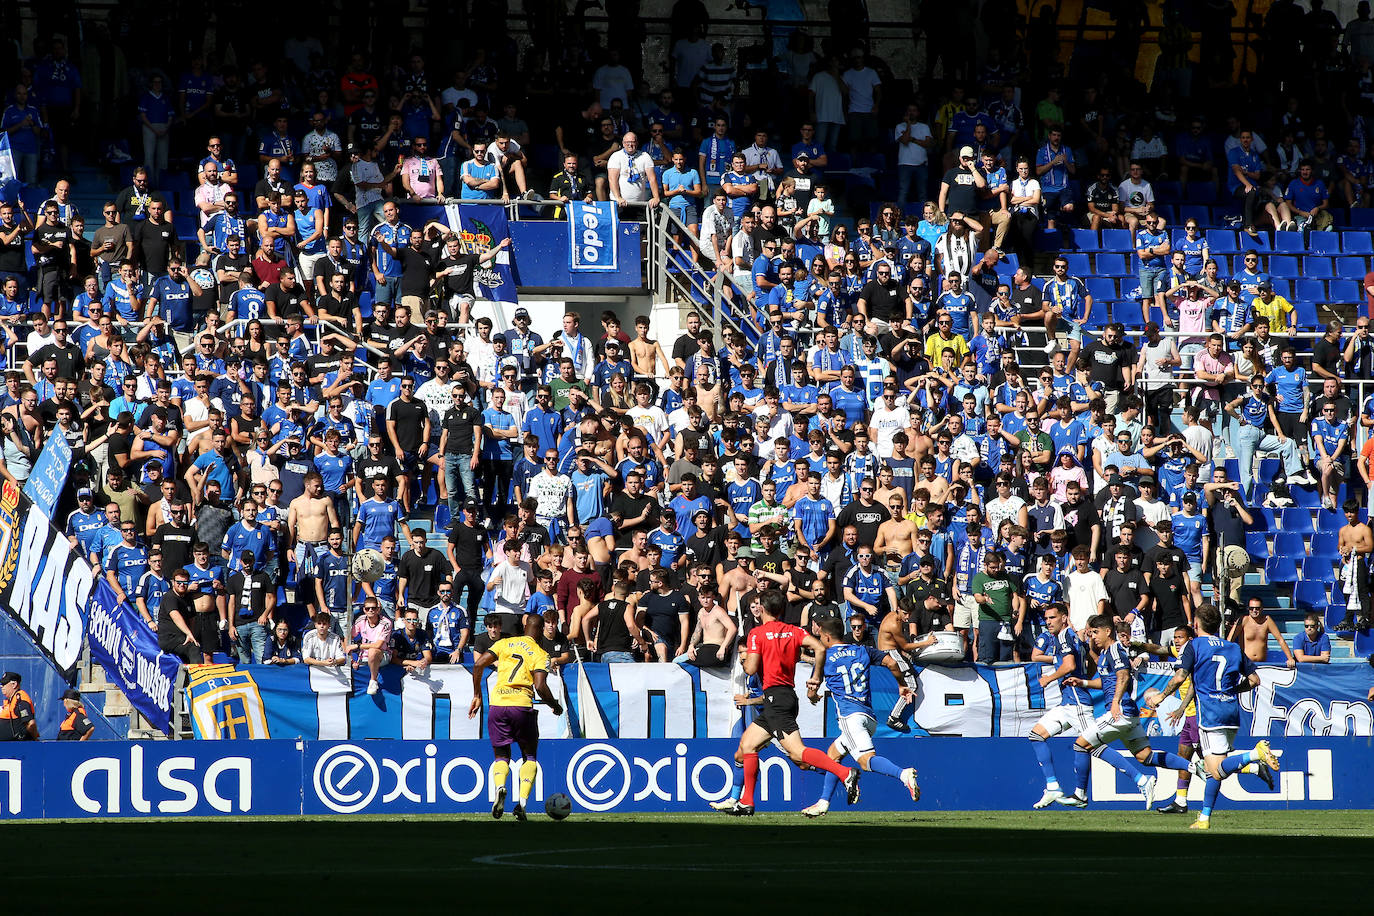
(778, 712)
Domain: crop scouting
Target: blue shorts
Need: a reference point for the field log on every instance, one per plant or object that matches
(1150, 284)
(1195, 570)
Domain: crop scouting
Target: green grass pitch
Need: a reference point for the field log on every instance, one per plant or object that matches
(705, 863)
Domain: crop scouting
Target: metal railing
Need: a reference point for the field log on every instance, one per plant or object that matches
(675, 273)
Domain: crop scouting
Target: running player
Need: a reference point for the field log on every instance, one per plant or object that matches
(1115, 678)
(772, 652)
(521, 672)
(1058, 645)
(846, 669)
(1221, 672)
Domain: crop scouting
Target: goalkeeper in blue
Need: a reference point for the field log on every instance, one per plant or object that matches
(846, 672)
(1221, 672)
(1110, 644)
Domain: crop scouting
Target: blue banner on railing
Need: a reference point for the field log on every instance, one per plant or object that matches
(592, 229)
(44, 584)
(124, 645)
(49, 474)
(672, 701)
(69, 779)
(480, 227)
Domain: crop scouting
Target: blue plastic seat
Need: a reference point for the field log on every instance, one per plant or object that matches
(1202, 214)
(1290, 243)
(1318, 268)
(1353, 268)
(1354, 242)
(1284, 266)
(1168, 192)
(1086, 240)
(1309, 290)
(1344, 292)
(1290, 544)
(1309, 595)
(1112, 265)
(1222, 241)
(1078, 263)
(1318, 569)
(1296, 519)
(1325, 543)
(1280, 569)
(1262, 519)
(1261, 242)
(1306, 498)
(1117, 240)
(1102, 289)
(1201, 192)
(1327, 243)
(1306, 311)
(1257, 545)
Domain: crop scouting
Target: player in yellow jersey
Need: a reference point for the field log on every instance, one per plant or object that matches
(521, 672)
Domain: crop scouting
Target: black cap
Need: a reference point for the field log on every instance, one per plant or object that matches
(71, 694)
(1114, 480)
(9, 677)
(927, 560)
(1190, 497)
(472, 504)
(1264, 286)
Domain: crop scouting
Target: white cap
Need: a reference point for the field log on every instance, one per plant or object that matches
(966, 152)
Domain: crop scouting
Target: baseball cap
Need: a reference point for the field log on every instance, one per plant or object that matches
(71, 694)
(85, 493)
(699, 513)
(1190, 497)
(472, 504)
(1264, 286)
(966, 152)
(927, 560)
(522, 313)
(1233, 283)
(9, 677)
(1114, 480)
(803, 155)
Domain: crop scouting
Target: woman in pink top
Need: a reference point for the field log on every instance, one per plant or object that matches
(1066, 469)
(371, 639)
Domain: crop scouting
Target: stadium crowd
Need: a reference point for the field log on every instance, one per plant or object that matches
(296, 374)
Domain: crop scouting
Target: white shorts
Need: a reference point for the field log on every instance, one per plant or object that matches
(1127, 731)
(856, 734)
(1217, 741)
(965, 613)
(1074, 717)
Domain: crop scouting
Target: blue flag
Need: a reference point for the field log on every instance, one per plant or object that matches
(49, 473)
(592, 231)
(124, 645)
(8, 172)
(480, 227)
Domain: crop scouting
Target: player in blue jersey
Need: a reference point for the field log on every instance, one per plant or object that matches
(1220, 672)
(1116, 679)
(846, 670)
(1058, 645)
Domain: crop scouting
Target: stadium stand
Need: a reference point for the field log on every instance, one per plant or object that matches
(263, 243)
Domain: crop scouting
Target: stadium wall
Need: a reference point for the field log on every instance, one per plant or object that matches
(315, 778)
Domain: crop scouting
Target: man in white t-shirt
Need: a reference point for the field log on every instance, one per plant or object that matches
(613, 80)
(630, 173)
(1086, 592)
(510, 581)
(865, 95)
(913, 158)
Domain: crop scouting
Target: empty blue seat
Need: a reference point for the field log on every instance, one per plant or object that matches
(1192, 211)
(1318, 569)
(1351, 268)
(1168, 191)
(1309, 595)
(1309, 290)
(1112, 265)
(1357, 242)
(1306, 311)
(1222, 241)
(1086, 240)
(1296, 519)
(1260, 241)
(1256, 545)
(1325, 542)
(1078, 263)
(1306, 498)
(1284, 266)
(1117, 240)
(1335, 613)
(1201, 192)
(1280, 569)
(1318, 268)
(1290, 243)
(1289, 544)
(1327, 243)
(1346, 292)
(1261, 519)
(1102, 289)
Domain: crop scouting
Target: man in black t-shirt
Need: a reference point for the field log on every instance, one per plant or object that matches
(285, 297)
(252, 599)
(665, 615)
(155, 239)
(468, 548)
(416, 270)
(632, 510)
(418, 574)
(174, 620)
(959, 188)
(408, 428)
(880, 300)
(1112, 362)
(1172, 603)
(1126, 587)
(460, 443)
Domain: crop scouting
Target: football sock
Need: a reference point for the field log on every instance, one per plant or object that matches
(1168, 761)
(528, 770)
(1250, 768)
(751, 772)
(1181, 796)
(1209, 797)
(1042, 754)
(829, 784)
(884, 767)
(1235, 762)
(821, 761)
(500, 773)
(1128, 765)
(1082, 761)
(737, 782)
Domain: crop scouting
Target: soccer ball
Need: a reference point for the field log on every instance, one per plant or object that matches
(558, 806)
(368, 565)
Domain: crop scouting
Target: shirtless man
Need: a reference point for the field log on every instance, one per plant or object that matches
(713, 639)
(896, 536)
(893, 638)
(1355, 543)
(739, 581)
(887, 494)
(646, 354)
(635, 552)
(708, 395)
(309, 519)
(934, 484)
(799, 489)
(1252, 633)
